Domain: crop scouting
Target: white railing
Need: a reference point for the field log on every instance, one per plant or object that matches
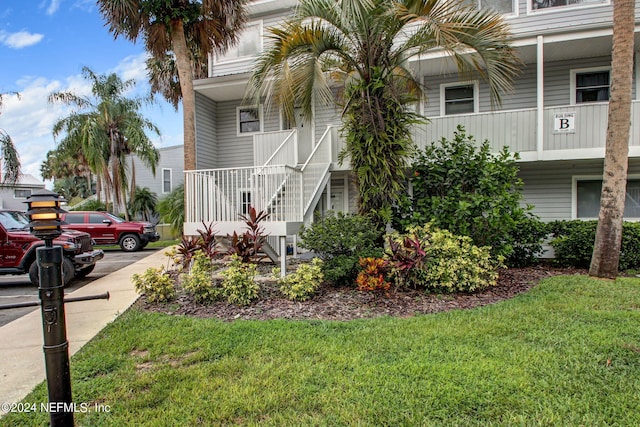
(515, 129)
(316, 168)
(276, 148)
(221, 195)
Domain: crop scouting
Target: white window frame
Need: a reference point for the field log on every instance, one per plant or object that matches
(21, 189)
(476, 96)
(222, 60)
(241, 204)
(514, 8)
(574, 193)
(530, 9)
(260, 118)
(573, 84)
(164, 191)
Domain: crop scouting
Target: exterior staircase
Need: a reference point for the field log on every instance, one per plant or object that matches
(286, 190)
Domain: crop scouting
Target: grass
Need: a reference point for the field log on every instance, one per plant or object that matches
(565, 354)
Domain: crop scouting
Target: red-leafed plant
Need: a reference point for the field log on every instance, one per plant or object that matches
(207, 242)
(408, 258)
(248, 244)
(373, 273)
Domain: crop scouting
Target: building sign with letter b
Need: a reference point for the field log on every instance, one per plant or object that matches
(564, 122)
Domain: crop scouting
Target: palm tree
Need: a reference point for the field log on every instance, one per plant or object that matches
(178, 33)
(606, 249)
(171, 209)
(9, 156)
(105, 129)
(144, 203)
(364, 46)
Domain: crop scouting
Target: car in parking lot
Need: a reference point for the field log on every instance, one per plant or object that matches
(18, 249)
(108, 229)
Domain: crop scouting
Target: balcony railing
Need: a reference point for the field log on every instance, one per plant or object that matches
(518, 130)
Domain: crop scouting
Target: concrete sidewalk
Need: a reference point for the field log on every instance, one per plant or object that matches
(21, 341)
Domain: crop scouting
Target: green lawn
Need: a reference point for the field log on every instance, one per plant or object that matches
(565, 354)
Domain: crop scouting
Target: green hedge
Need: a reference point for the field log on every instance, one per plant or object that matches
(573, 243)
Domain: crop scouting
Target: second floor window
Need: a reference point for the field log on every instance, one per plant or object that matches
(459, 99)
(250, 44)
(592, 86)
(501, 6)
(20, 194)
(545, 4)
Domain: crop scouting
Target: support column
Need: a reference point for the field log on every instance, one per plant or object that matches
(283, 256)
(540, 97)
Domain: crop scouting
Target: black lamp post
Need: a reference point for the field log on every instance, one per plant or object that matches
(44, 213)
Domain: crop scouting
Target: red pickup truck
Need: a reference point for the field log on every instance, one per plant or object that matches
(18, 249)
(108, 229)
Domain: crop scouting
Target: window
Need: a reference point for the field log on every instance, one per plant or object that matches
(21, 194)
(588, 198)
(545, 4)
(458, 99)
(591, 85)
(249, 120)
(500, 6)
(245, 202)
(74, 218)
(97, 218)
(250, 44)
(166, 181)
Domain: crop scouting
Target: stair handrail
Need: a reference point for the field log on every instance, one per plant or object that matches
(281, 147)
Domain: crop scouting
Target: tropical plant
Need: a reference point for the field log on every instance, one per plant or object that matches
(8, 155)
(198, 281)
(171, 208)
(248, 244)
(105, 128)
(437, 260)
(341, 240)
(463, 187)
(178, 35)
(155, 284)
(606, 250)
(143, 204)
(238, 285)
(372, 277)
(365, 46)
(301, 284)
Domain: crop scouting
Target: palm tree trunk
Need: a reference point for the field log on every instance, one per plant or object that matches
(606, 250)
(185, 75)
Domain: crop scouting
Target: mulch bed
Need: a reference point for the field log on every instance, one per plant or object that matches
(342, 303)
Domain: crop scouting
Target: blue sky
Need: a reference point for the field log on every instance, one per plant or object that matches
(44, 44)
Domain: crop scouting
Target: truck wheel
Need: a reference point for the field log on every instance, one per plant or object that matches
(130, 243)
(84, 272)
(68, 271)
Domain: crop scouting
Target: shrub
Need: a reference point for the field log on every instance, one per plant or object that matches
(199, 281)
(238, 286)
(573, 243)
(304, 282)
(340, 241)
(372, 275)
(470, 192)
(442, 261)
(155, 284)
(248, 244)
(527, 236)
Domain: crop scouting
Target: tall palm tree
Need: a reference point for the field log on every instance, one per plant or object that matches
(9, 156)
(606, 250)
(105, 128)
(364, 45)
(179, 33)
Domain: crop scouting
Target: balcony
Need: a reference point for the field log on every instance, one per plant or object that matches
(519, 130)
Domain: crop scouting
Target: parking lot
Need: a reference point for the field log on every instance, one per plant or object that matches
(18, 289)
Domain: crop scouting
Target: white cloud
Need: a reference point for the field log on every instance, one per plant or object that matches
(53, 7)
(20, 39)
